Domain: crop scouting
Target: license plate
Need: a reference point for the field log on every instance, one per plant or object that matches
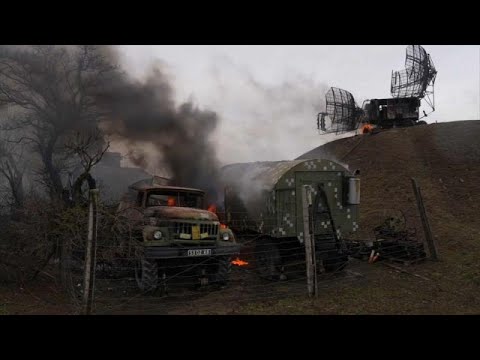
(199, 252)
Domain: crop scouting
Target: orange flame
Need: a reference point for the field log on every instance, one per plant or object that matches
(223, 226)
(367, 128)
(212, 208)
(171, 201)
(239, 262)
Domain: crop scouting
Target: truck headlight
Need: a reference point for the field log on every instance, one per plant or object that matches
(157, 235)
(225, 236)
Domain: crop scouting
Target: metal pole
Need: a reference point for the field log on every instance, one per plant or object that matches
(432, 249)
(314, 254)
(307, 240)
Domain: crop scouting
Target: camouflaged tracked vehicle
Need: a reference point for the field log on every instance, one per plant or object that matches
(265, 199)
(175, 232)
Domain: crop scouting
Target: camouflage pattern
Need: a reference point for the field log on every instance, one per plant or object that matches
(265, 197)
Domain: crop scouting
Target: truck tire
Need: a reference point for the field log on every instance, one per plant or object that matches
(335, 262)
(146, 275)
(224, 268)
(267, 259)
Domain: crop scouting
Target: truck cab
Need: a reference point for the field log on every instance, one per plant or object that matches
(173, 226)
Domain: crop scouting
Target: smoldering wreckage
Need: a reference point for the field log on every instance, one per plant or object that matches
(203, 218)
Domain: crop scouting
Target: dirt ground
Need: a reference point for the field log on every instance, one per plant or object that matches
(41, 297)
(445, 160)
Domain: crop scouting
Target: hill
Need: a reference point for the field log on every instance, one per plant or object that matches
(444, 158)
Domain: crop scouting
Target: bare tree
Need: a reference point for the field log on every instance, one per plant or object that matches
(12, 169)
(89, 148)
(53, 86)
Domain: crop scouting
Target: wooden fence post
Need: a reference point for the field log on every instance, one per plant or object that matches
(432, 249)
(90, 254)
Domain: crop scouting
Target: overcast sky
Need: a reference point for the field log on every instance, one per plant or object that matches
(267, 97)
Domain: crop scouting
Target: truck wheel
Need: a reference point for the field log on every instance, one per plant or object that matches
(267, 259)
(146, 275)
(223, 270)
(335, 262)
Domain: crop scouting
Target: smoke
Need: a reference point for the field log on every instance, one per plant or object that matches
(244, 180)
(259, 121)
(143, 116)
(72, 85)
(265, 121)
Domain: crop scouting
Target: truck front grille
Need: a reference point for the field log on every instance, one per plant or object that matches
(211, 229)
(186, 228)
(182, 228)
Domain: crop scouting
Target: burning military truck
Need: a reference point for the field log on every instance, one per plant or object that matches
(264, 199)
(176, 234)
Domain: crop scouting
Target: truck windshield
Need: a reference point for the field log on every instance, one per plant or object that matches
(174, 198)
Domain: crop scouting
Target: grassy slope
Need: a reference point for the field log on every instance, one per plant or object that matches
(445, 159)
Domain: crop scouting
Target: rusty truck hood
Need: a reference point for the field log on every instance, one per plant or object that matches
(171, 212)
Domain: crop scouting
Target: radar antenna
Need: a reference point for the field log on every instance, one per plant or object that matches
(342, 113)
(417, 79)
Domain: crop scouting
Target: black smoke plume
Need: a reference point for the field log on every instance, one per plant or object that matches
(69, 88)
(145, 112)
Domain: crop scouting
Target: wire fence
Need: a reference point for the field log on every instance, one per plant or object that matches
(261, 269)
